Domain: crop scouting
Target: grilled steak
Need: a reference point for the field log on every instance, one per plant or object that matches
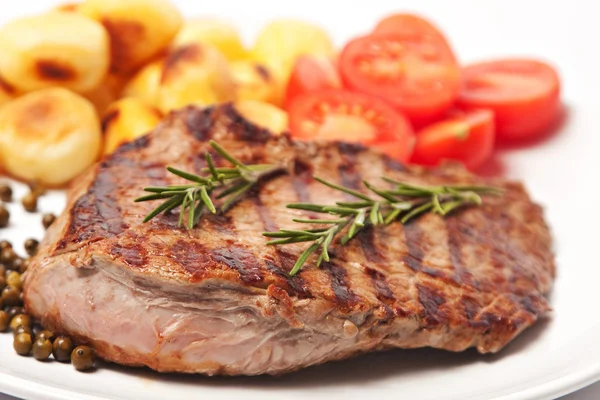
(217, 300)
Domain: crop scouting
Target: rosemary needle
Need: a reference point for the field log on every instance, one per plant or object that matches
(227, 184)
(402, 202)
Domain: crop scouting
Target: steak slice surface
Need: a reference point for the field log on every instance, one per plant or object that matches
(216, 300)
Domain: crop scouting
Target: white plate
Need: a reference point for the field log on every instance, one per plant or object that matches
(553, 358)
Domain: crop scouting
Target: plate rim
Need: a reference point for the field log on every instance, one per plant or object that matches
(548, 390)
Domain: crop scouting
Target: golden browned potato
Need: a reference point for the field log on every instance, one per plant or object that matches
(264, 114)
(54, 49)
(218, 33)
(281, 42)
(107, 92)
(67, 7)
(127, 119)
(195, 74)
(49, 136)
(101, 97)
(138, 29)
(7, 92)
(144, 84)
(255, 82)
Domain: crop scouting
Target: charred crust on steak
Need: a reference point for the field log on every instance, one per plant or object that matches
(240, 259)
(285, 306)
(133, 255)
(199, 122)
(340, 284)
(432, 301)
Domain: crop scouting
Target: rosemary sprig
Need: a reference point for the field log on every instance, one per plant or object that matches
(402, 202)
(227, 184)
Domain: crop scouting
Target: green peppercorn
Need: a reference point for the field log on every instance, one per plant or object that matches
(47, 220)
(62, 348)
(4, 216)
(82, 358)
(37, 189)
(13, 278)
(22, 344)
(42, 348)
(14, 311)
(5, 192)
(23, 329)
(20, 320)
(24, 265)
(46, 335)
(4, 321)
(31, 246)
(29, 202)
(5, 244)
(20, 265)
(10, 296)
(7, 257)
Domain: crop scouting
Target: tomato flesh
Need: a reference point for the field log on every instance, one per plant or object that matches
(523, 94)
(336, 114)
(468, 138)
(416, 74)
(311, 73)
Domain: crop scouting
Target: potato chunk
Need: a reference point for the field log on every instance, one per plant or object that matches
(195, 74)
(255, 82)
(215, 32)
(67, 7)
(54, 49)
(264, 115)
(144, 84)
(281, 42)
(139, 29)
(126, 120)
(7, 92)
(50, 136)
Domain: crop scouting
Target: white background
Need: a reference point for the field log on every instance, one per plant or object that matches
(560, 172)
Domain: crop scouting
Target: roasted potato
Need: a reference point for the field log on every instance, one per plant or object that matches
(138, 29)
(282, 41)
(49, 136)
(255, 82)
(54, 49)
(101, 97)
(218, 33)
(264, 115)
(67, 7)
(109, 91)
(127, 119)
(7, 92)
(194, 74)
(144, 84)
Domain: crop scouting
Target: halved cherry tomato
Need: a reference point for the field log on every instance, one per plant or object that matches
(311, 73)
(409, 24)
(352, 117)
(523, 94)
(415, 73)
(468, 138)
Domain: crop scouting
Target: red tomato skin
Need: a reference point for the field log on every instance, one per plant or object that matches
(520, 118)
(439, 141)
(396, 137)
(311, 73)
(420, 109)
(410, 24)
